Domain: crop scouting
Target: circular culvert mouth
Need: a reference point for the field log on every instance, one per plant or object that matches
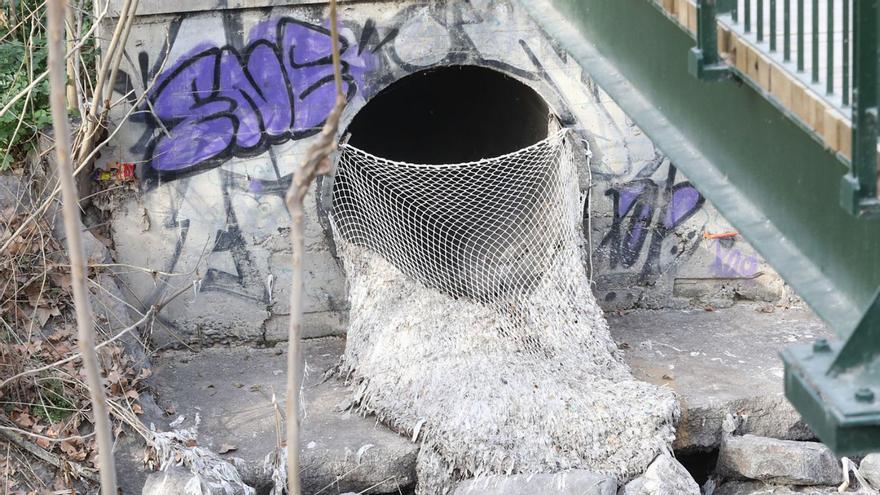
(451, 175)
(450, 115)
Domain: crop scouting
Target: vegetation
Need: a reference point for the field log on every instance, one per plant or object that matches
(23, 57)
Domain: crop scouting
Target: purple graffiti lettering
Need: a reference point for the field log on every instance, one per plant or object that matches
(685, 201)
(639, 199)
(731, 262)
(219, 102)
(627, 196)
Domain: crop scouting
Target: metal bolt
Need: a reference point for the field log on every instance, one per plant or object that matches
(865, 395)
(821, 345)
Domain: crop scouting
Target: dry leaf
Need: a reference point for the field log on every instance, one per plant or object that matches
(22, 419)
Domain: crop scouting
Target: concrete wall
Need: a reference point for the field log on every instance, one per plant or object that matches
(234, 96)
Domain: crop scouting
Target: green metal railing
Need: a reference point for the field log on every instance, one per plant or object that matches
(835, 54)
(762, 167)
(828, 37)
(831, 384)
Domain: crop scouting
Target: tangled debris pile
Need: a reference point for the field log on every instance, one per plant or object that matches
(473, 327)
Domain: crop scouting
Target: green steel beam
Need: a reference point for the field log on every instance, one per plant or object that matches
(769, 176)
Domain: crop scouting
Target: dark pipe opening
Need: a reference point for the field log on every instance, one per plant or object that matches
(450, 115)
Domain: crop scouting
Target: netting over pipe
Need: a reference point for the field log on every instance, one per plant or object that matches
(472, 321)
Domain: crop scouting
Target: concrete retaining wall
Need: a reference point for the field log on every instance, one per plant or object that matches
(234, 94)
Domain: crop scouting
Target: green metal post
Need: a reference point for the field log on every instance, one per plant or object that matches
(772, 25)
(703, 60)
(815, 37)
(845, 93)
(748, 15)
(829, 54)
(800, 35)
(859, 186)
(760, 21)
(786, 30)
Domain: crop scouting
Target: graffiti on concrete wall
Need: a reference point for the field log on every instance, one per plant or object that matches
(216, 137)
(220, 102)
(645, 214)
(732, 262)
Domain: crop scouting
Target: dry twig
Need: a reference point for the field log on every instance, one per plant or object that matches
(56, 64)
(317, 163)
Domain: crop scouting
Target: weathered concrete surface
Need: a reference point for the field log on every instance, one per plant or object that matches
(664, 475)
(232, 388)
(719, 362)
(783, 462)
(760, 488)
(576, 482)
(210, 196)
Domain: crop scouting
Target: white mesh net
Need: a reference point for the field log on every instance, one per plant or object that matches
(472, 322)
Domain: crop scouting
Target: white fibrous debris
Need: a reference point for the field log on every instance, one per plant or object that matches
(473, 326)
(215, 475)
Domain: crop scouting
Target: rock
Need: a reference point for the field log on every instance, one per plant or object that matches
(95, 251)
(566, 483)
(870, 469)
(13, 193)
(783, 462)
(665, 475)
(172, 481)
(178, 480)
(760, 488)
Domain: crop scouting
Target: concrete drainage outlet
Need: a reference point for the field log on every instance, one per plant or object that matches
(473, 327)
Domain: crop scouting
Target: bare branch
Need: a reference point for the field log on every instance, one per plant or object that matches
(317, 162)
(70, 210)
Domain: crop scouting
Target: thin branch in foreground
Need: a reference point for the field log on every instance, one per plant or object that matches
(317, 163)
(70, 210)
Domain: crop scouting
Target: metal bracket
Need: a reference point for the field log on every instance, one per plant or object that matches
(836, 386)
(853, 200)
(704, 63)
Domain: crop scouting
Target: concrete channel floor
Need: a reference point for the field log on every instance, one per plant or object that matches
(721, 363)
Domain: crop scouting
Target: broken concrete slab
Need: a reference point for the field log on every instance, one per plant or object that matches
(761, 488)
(720, 362)
(232, 390)
(783, 462)
(664, 475)
(573, 482)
